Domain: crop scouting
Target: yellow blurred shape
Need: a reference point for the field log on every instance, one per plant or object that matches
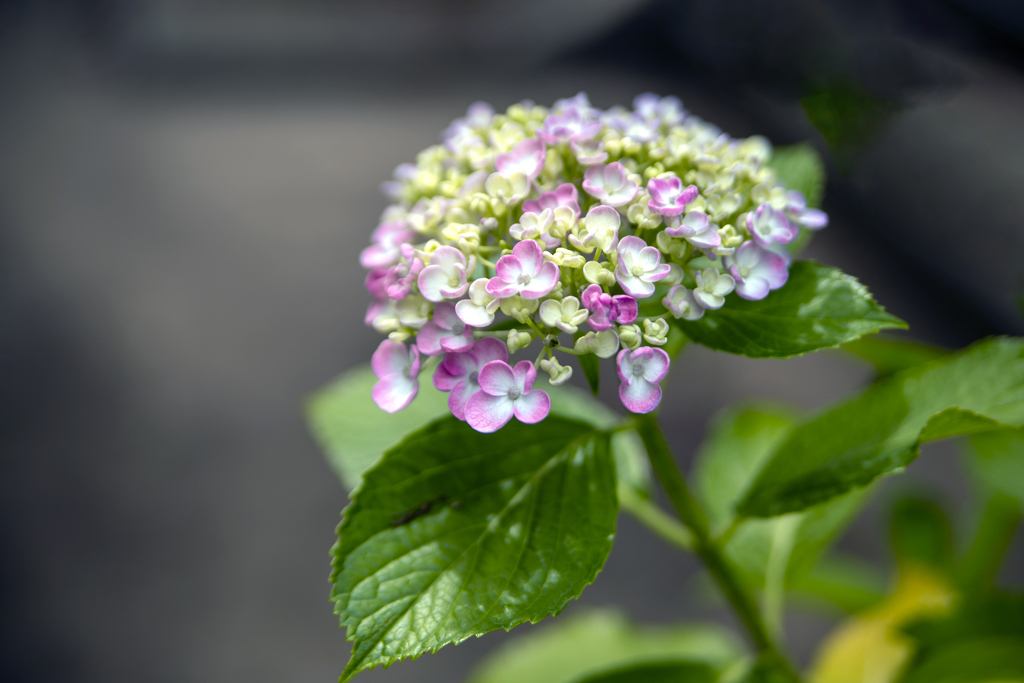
(869, 648)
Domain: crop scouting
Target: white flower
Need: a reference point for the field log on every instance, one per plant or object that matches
(712, 286)
(566, 314)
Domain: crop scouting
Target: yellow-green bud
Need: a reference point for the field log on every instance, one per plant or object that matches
(656, 332)
(630, 336)
(518, 339)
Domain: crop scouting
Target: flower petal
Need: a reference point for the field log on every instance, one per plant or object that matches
(389, 358)
(461, 393)
(428, 339)
(655, 361)
(529, 255)
(640, 397)
(472, 314)
(488, 349)
(532, 407)
(525, 374)
(444, 379)
(496, 378)
(509, 268)
(486, 413)
(542, 283)
(394, 392)
(431, 281)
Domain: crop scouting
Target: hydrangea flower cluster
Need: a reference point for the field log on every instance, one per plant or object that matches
(567, 223)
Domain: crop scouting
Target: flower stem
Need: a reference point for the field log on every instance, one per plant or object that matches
(692, 515)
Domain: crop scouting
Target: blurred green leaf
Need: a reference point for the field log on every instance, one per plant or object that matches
(591, 366)
(455, 533)
(848, 117)
(982, 641)
(889, 354)
(598, 640)
(820, 307)
(657, 672)
(998, 460)
(799, 167)
(920, 532)
(847, 583)
(881, 430)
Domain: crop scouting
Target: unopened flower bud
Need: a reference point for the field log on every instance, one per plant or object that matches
(656, 332)
(630, 336)
(559, 374)
(519, 308)
(597, 274)
(603, 344)
(518, 339)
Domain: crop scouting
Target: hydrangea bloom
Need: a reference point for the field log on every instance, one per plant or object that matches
(557, 218)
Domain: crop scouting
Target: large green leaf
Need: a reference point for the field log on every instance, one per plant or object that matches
(819, 307)
(577, 646)
(881, 430)
(657, 672)
(890, 355)
(799, 167)
(456, 533)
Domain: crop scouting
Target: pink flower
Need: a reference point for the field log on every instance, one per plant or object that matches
(697, 228)
(523, 272)
(567, 126)
(639, 267)
(768, 226)
(446, 276)
(563, 195)
(640, 372)
(589, 152)
(387, 239)
(458, 372)
(606, 309)
(668, 198)
(445, 332)
(668, 109)
(610, 184)
(757, 271)
(506, 391)
(399, 279)
(527, 158)
(397, 370)
(796, 209)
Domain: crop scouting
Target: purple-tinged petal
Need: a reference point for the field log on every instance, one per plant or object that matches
(488, 349)
(460, 395)
(655, 363)
(497, 379)
(527, 158)
(542, 283)
(499, 289)
(532, 407)
(443, 378)
(432, 280)
(486, 413)
(624, 309)
(428, 339)
(390, 358)
(640, 397)
(529, 255)
(394, 392)
(525, 374)
(457, 343)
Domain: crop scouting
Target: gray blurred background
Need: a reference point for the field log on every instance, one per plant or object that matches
(184, 190)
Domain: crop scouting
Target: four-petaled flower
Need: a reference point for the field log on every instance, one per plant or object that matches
(668, 197)
(533, 226)
(386, 248)
(566, 314)
(610, 184)
(446, 332)
(478, 310)
(527, 158)
(680, 303)
(712, 286)
(697, 228)
(606, 309)
(458, 372)
(397, 370)
(506, 391)
(567, 126)
(757, 271)
(768, 226)
(523, 272)
(600, 230)
(563, 195)
(796, 209)
(639, 267)
(640, 372)
(445, 277)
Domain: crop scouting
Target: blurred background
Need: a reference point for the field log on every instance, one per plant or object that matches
(184, 190)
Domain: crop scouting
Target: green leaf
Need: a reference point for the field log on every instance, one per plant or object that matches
(921, 532)
(819, 307)
(998, 460)
(353, 431)
(981, 641)
(587, 643)
(799, 167)
(890, 355)
(846, 583)
(591, 366)
(847, 116)
(657, 672)
(881, 430)
(456, 533)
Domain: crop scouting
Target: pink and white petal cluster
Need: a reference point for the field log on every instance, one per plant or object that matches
(768, 226)
(668, 197)
(527, 158)
(757, 271)
(478, 310)
(798, 212)
(639, 267)
(386, 248)
(447, 275)
(607, 309)
(563, 195)
(536, 226)
(600, 230)
(610, 184)
(640, 374)
(523, 272)
(506, 391)
(397, 370)
(567, 126)
(681, 303)
(458, 372)
(446, 332)
(696, 228)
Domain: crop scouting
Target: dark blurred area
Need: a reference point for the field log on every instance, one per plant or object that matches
(184, 190)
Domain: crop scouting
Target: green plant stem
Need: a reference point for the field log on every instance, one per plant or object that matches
(655, 519)
(994, 535)
(692, 515)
